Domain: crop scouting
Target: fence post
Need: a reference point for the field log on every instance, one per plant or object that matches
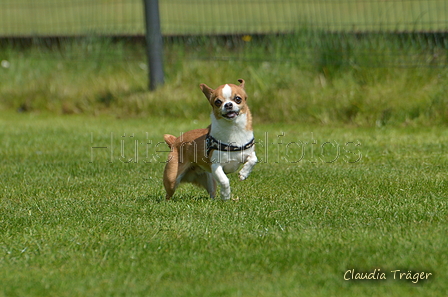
(154, 44)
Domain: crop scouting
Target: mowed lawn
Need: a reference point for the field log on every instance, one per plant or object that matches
(83, 214)
(126, 17)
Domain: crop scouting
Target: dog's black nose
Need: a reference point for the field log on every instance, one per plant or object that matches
(228, 105)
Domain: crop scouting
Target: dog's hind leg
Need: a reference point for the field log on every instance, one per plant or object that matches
(200, 178)
(173, 175)
(207, 181)
(169, 178)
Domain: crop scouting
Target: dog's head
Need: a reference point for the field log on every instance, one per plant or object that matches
(228, 101)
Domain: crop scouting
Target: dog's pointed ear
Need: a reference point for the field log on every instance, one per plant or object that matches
(206, 90)
(241, 83)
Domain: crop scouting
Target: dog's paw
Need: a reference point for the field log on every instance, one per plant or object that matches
(243, 176)
(225, 198)
(225, 194)
(244, 173)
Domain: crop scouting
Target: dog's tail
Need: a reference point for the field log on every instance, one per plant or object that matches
(169, 139)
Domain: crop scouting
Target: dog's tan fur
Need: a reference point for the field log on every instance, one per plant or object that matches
(188, 158)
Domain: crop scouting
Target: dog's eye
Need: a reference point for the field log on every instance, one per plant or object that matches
(218, 103)
(238, 99)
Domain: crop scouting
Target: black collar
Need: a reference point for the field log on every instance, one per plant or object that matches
(214, 144)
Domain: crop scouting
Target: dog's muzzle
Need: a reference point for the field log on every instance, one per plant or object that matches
(231, 114)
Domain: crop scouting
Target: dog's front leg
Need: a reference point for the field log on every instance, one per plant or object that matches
(223, 181)
(248, 165)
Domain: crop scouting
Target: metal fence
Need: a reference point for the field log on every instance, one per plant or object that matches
(324, 18)
(183, 17)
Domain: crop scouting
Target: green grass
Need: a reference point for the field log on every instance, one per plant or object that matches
(74, 228)
(80, 17)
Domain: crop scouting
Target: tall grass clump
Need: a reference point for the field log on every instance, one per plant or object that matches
(307, 76)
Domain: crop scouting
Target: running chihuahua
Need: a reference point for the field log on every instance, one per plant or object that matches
(204, 156)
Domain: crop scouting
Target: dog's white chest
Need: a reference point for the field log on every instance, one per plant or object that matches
(231, 161)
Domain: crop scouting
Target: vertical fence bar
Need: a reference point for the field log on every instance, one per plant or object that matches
(154, 44)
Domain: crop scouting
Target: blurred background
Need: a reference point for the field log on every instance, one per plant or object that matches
(352, 55)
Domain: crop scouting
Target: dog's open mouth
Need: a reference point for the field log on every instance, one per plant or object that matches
(231, 114)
